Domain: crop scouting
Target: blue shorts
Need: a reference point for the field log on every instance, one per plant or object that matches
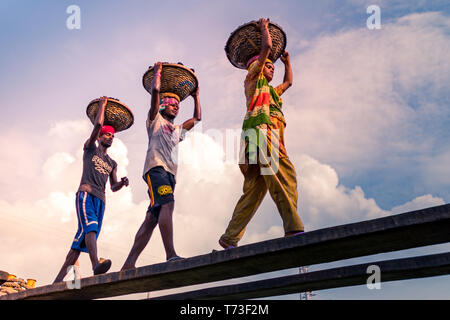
(90, 211)
(161, 185)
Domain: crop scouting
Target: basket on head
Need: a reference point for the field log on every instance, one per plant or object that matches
(117, 114)
(245, 43)
(175, 79)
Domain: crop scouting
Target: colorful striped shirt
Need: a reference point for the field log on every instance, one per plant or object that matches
(264, 108)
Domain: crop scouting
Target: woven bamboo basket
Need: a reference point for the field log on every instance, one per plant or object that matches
(175, 78)
(245, 42)
(117, 114)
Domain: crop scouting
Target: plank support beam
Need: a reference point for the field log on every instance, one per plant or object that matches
(397, 232)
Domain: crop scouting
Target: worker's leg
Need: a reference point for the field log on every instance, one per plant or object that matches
(254, 191)
(282, 185)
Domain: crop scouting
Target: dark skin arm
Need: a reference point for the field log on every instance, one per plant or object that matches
(266, 40)
(117, 185)
(156, 86)
(189, 124)
(98, 122)
(288, 76)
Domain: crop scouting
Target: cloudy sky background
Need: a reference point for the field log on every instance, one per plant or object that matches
(367, 123)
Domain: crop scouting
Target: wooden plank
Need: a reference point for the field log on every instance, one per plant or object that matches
(390, 270)
(397, 232)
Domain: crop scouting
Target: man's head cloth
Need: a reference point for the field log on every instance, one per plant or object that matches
(107, 129)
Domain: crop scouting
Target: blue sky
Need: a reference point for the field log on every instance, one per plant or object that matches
(367, 117)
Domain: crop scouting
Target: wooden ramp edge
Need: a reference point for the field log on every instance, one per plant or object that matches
(397, 232)
(390, 270)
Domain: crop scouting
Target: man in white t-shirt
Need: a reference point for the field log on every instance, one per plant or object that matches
(160, 167)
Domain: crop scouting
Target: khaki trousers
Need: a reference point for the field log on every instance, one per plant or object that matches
(282, 187)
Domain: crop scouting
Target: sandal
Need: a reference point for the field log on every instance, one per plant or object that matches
(102, 266)
(225, 245)
(175, 258)
(295, 234)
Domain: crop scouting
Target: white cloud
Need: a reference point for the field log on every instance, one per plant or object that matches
(418, 203)
(56, 164)
(361, 97)
(207, 190)
(326, 202)
(436, 170)
(58, 206)
(19, 161)
(119, 153)
(349, 109)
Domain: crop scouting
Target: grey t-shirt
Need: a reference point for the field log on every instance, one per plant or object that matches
(163, 136)
(96, 170)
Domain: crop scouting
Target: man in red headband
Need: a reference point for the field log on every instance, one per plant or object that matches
(90, 198)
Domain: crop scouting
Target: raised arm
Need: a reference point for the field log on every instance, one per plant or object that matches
(189, 124)
(266, 40)
(98, 122)
(288, 77)
(156, 86)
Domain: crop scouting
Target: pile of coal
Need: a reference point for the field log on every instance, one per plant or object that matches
(14, 285)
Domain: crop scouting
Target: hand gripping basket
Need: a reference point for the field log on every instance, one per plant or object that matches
(175, 79)
(117, 114)
(245, 43)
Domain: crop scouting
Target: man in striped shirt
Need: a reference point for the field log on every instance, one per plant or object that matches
(265, 163)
